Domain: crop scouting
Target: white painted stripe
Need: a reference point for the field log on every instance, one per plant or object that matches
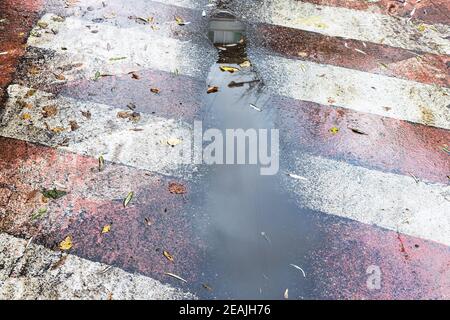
(113, 50)
(353, 24)
(391, 201)
(103, 134)
(25, 274)
(356, 90)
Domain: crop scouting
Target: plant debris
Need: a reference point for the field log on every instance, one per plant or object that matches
(334, 130)
(228, 69)
(39, 214)
(127, 200)
(66, 244)
(298, 268)
(212, 89)
(49, 111)
(168, 256)
(173, 142)
(358, 131)
(286, 294)
(255, 107)
(155, 90)
(101, 163)
(53, 194)
(177, 188)
(106, 228)
(175, 276)
(60, 262)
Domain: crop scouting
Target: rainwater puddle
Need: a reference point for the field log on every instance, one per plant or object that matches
(253, 231)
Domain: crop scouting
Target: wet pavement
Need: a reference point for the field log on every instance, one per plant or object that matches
(363, 121)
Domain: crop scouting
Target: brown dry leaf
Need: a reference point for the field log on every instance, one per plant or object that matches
(60, 77)
(177, 188)
(155, 90)
(59, 263)
(331, 101)
(73, 125)
(133, 116)
(168, 256)
(57, 129)
(212, 89)
(49, 111)
(30, 93)
(86, 114)
(66, 244)
(135, 76)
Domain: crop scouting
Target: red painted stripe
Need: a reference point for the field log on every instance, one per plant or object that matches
(19, 18)
(379, 59)
(411, 268)
(390, 145)
(429, 11)
(95, 199)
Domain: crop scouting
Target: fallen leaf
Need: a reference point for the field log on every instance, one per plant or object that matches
(228, 69)
(173, 142)
(117, 58)
(86, 114)
(53, 194)
(60, 262)
(97, 75)
(60, 77)
(133, 116)
(155, 90)
(101, 163)
(297, 177)
(73, 125)
(66, 244)
(49, 111)
(334, 130)
(177, 188)
(127, 200)
(30, 93)
(358, 131)
(106, 228)
(331, 101)
(26, 116)
(207, 287)
(179, 20)
(175, 276)
(39, 214)
(286, 294)
(245, 64)
(57, 129)
(42, 24)
(168, 256)
(421, 27)
(302, 54)
(212, 89)
(135, 76)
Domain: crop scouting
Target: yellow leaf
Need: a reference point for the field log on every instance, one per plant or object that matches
(168, 256)
(106, 228)
(229, 69)
(66, 244)
(57, 130)
(26, 116)
(128, 199)
(421, 27)
(179, 20)
(334, 130)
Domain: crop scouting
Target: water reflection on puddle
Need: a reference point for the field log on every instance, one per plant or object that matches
(253, 231)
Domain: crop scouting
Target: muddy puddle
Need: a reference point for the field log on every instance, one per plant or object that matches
(257, 238)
